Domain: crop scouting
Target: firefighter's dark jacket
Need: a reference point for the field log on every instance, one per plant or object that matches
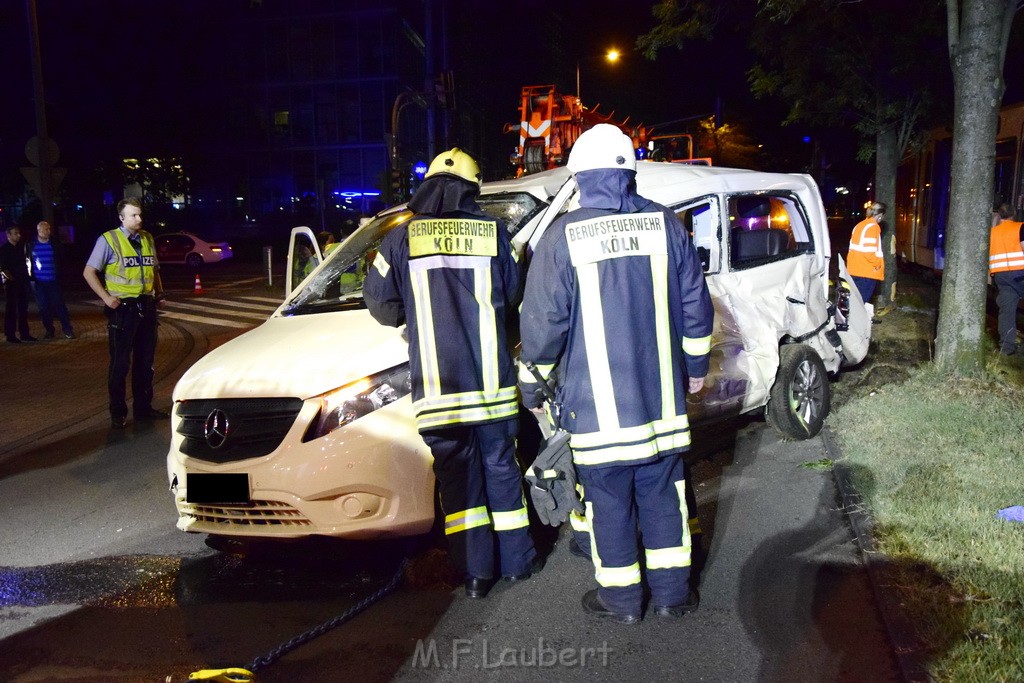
(451, 275)
(616, 299)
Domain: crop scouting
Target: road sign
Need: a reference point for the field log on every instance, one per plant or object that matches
(35, 151)
(32, 175)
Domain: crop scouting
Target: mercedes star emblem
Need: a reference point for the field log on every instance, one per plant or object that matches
(216, 428)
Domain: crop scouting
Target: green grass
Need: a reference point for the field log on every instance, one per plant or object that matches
(934, 461)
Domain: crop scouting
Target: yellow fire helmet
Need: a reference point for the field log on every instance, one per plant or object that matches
(457, 163)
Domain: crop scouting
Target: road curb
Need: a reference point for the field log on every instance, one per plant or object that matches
(901, 632)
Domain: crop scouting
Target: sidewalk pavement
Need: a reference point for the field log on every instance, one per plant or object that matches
(53, 387)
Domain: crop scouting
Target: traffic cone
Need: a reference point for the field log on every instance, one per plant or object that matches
(199, 286)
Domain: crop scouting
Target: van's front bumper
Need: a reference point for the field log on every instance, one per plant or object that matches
(371, 478)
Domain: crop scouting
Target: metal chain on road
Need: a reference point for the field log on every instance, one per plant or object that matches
(239, 675)
(334, 622)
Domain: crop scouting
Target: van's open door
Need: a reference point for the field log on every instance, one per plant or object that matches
(303, 257)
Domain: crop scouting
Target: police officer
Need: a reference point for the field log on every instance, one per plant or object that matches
(450, 274)
(131, 291)
(1006, 266)
(616, 299)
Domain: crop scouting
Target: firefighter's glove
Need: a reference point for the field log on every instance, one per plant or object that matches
(533, 394)
(552, 479)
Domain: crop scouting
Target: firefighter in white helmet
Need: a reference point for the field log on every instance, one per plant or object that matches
(450, 274)
(617, 305)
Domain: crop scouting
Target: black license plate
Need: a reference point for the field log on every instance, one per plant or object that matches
(217, 488)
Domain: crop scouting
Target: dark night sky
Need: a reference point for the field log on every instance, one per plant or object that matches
(118, 70)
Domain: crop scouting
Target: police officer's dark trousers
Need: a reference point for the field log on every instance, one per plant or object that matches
(619, 498)
(482, 497)
(131, 332)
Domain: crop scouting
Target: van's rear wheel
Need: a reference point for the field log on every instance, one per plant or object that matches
(801, 396)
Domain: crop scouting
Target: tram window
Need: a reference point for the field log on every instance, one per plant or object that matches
(1003, 189)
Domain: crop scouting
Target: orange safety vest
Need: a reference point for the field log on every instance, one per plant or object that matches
(865, 256)
(1004, 251)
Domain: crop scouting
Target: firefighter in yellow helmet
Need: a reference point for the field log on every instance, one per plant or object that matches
(617, 305)
(450, 274)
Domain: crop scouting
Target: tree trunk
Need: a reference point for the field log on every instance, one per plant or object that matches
(977, 63)
(887, 159)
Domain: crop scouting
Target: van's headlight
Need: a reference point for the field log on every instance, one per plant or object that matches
(349, 403)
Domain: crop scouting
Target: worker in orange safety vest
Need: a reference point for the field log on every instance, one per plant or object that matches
(864, 260)
(1006, 266)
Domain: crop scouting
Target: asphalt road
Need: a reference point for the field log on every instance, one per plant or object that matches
(96, 584)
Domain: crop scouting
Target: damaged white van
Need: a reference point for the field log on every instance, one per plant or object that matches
(304, 425)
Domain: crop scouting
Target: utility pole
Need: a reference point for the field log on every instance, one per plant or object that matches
(429, 85)
(46, 152)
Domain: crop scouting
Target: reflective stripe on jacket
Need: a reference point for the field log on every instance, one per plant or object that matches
(865, 256)
(619, 302)
(131, 273)
(1005, 252)
(455, 277)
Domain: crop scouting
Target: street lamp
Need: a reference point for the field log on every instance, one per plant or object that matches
(612, 55)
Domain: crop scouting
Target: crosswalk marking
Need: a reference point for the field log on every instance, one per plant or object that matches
(230, 302)
(269, 300)
(236, 283)
(202, 319)
(218, 310)
(237, 312)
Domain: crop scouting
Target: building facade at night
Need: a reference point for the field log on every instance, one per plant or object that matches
(311, 91)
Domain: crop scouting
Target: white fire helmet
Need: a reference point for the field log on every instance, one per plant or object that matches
(603, 146)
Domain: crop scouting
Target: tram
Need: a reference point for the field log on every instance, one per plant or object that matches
(923, 187)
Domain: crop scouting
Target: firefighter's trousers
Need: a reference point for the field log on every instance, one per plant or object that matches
(581, 531)
(482, 498)
(619, 500)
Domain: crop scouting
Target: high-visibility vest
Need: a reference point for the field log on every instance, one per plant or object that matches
(1004, 251)
(131, 273)
(865, 256)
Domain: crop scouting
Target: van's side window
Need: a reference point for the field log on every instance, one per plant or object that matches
(765, 228)
(703, 221)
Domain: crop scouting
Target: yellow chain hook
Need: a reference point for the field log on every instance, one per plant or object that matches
(233, 675)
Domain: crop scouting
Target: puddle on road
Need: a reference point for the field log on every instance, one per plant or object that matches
(265, 573)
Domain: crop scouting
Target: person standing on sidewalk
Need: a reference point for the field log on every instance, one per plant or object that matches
(14, 273)
(1006, 266)
(45, 263)
(131, 291)
(617, 305)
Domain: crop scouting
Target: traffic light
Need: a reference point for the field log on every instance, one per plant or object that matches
(396, 183)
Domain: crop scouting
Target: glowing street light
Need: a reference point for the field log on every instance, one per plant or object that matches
(612, 56)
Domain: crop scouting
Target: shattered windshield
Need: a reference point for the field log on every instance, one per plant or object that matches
(338, 286)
